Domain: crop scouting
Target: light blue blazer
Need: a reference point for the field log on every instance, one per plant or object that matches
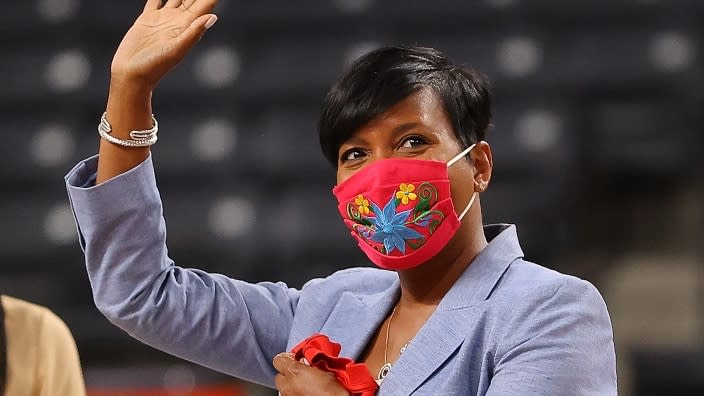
(506, 327)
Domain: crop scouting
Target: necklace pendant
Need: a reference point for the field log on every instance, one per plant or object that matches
(384, 371)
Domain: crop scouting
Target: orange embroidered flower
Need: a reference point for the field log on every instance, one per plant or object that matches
(362, 204)
(406, 193)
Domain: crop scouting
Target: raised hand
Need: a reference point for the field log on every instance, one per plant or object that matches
(160, 37)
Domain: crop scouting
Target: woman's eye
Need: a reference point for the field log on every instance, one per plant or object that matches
(352, 154)
(413, 141)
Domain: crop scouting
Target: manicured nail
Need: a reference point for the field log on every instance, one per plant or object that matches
(211, 21)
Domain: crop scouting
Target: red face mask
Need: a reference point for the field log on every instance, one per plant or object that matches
(400, 210)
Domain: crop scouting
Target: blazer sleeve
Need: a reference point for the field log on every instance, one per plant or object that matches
(222, 323)
(558, 341)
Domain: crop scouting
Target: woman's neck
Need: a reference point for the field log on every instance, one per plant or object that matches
(428, 283)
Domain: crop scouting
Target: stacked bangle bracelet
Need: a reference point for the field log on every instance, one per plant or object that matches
(137, 138)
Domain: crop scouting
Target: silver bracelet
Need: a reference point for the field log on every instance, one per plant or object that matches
(137, 138)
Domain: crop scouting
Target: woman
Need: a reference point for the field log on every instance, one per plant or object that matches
(455, 310)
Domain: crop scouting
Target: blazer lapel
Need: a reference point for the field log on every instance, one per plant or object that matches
(436, 342)
(456, 317)
(354, 320)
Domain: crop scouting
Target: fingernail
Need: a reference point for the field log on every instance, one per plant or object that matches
(211, 21)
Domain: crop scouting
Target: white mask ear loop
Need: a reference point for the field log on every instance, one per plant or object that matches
(452, 162)
(469, 205)
(460, 155)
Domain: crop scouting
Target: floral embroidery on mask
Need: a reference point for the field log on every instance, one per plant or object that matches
(406, 193)
(400, 224)
(362, 204)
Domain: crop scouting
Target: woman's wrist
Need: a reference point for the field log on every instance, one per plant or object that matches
(129, 103)
(130, 88)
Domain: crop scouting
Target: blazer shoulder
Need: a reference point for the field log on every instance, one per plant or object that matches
(358, 279)
(527, 281)
(547, 322)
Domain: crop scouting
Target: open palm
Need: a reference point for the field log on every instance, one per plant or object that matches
(160, 37)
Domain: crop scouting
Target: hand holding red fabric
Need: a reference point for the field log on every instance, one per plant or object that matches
(298, 379)
(319, 352)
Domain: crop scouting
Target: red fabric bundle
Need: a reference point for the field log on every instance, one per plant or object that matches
(324, 354)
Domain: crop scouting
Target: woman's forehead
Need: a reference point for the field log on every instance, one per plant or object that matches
(422, 109)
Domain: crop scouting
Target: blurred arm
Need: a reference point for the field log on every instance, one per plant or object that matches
(42, 358)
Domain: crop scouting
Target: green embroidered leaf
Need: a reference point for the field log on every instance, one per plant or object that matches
(423, 205)
(433, 225)
(416, 243)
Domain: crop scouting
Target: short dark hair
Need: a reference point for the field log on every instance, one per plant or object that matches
(380, 79)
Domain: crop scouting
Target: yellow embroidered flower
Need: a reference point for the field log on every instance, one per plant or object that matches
(406, 193)
(362, 204)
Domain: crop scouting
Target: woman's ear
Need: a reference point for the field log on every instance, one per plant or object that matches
(484, 164)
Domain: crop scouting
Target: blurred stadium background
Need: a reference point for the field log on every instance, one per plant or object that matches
(597, 140)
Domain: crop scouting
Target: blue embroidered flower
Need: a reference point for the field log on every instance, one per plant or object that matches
(390, 228)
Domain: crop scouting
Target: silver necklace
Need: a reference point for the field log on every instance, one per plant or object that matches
(384, 370)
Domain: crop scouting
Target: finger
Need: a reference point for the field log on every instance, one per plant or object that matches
(152, 5)
(195, 31)
(172, 4)
(281, 383)
(308, 380)
(285, 364)
(199, 7)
